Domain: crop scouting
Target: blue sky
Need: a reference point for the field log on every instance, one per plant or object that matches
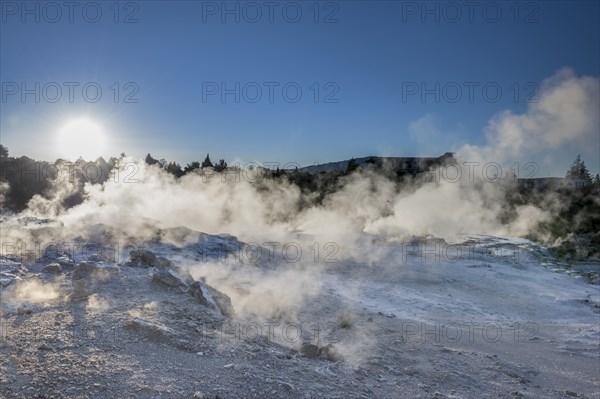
(364, 61)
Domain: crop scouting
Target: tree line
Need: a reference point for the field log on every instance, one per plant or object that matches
(176, 170)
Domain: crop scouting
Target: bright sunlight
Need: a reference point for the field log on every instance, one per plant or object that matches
(81, 138)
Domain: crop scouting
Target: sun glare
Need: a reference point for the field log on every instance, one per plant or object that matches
(81, 138)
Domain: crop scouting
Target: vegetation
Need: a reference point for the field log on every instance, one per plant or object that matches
(221, 166)
(207, 163)
(190, 167)
(573, 230)
(175, 169)
(351, 167)
(345, 320)
(27, 177)
(579, 171)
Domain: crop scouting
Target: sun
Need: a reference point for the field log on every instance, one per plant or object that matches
(81, 138)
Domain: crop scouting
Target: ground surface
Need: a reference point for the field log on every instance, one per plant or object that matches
(488, 325)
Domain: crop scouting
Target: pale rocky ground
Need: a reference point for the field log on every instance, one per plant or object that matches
(394, 330)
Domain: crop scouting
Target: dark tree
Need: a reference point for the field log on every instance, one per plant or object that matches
(352, 166)
(221, 166)
(3, 151)
(174, 169)
(23, 186)
(151, 161)
(578, 170)
(191, 166)
(207, 163)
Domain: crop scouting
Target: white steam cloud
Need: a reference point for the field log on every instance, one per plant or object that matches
(566, 117)
(562, 123)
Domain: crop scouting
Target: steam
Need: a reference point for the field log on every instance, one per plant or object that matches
(277, 294)
(31, 292)
(96, 304)
(253, 206)
(257, 208)
(561, 124)
(202, 203)
(4, 187)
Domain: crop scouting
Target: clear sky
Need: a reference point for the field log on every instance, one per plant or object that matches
(362, 68)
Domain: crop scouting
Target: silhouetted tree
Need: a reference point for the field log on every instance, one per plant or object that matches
(151, 161)
(578, 170)
(207, 163)
(191, 166)
(174, 169)
(22, 186)
(351, 167)
(221, 166)
(3, 151)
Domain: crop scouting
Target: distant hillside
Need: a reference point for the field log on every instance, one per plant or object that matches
(411, 165)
